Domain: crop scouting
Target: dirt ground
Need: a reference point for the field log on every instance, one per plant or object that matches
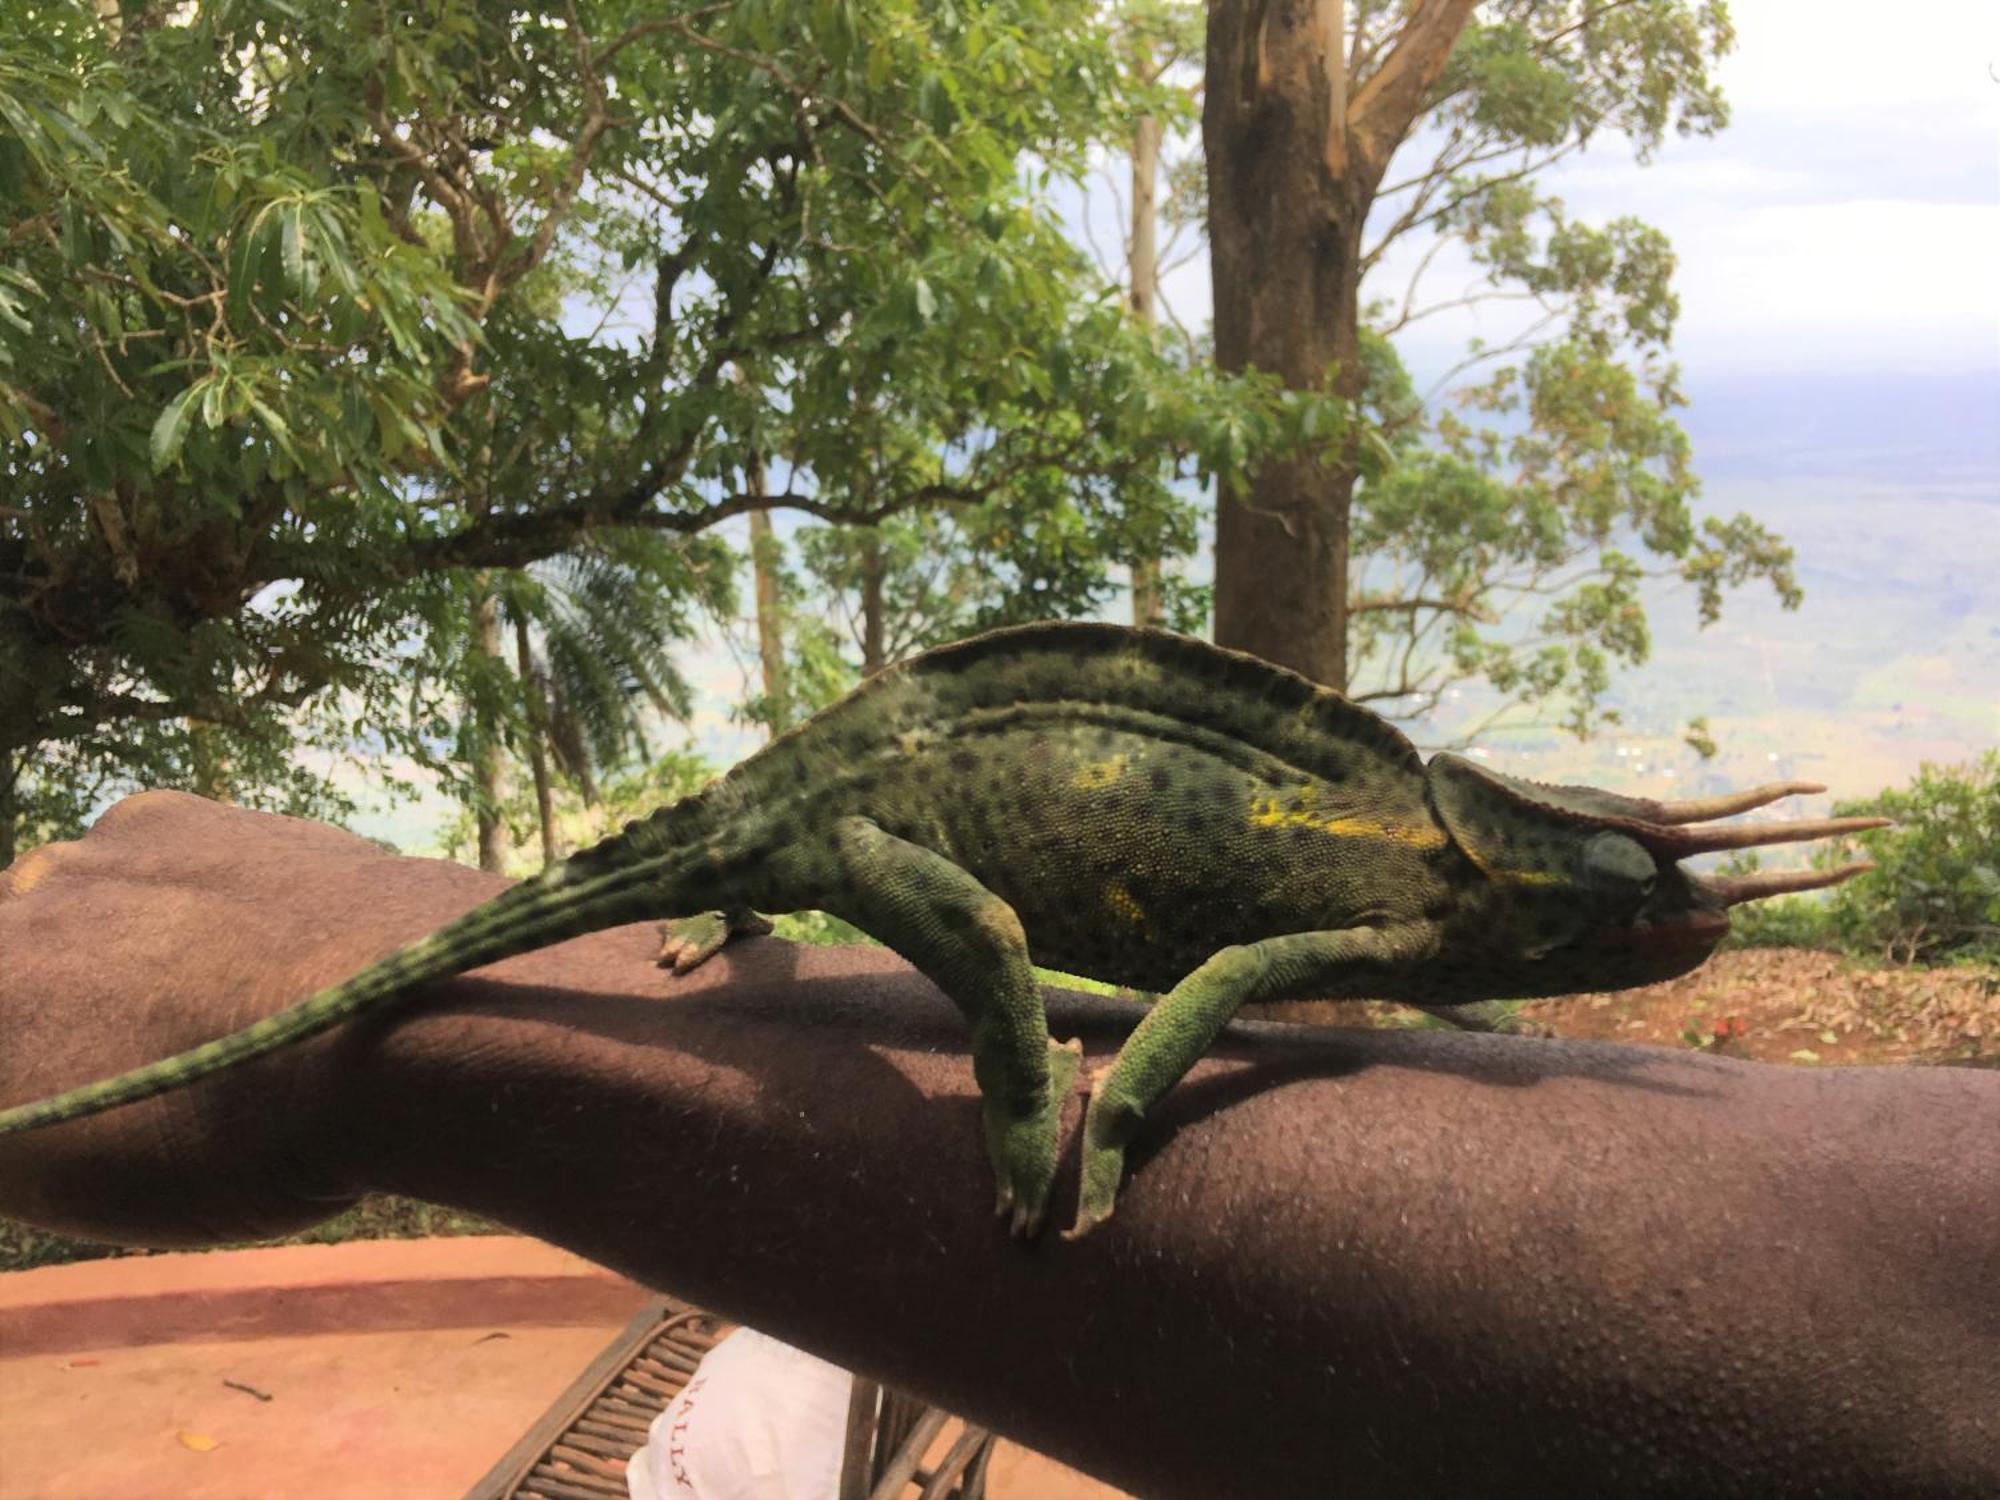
(1800, 1006)
(1792, 1005)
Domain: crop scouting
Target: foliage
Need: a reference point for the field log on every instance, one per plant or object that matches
(596, 635)
(1499, 523)
(197, 334)
(1934, 894)
(1509, 539)
(379, 1216)
(610, 616)
(636, 790)
(305, 311)
(944, 575)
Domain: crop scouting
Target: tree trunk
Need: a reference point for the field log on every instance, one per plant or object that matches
(538, 748)
(488, 771)
(1285, 241)
(1143, 272)
(210, 769)
(10, 809)
(872, 568)
(770, 608)
(1293, 165)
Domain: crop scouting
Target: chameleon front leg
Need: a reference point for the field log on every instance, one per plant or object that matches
(1185, 1023)
(688, 942)
(970, 944)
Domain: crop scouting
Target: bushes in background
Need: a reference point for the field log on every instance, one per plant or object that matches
(1934, 894)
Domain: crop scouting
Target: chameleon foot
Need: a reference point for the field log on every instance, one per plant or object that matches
(1023, 1148)
(1108, 1126)
(688, 942)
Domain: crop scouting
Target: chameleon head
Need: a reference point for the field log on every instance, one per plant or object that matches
(1584, 889)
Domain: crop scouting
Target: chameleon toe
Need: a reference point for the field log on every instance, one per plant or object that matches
(1103, 1170)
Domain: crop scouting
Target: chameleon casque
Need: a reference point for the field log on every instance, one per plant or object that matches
(1133, 806)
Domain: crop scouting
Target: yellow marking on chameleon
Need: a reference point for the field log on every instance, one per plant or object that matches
(1122, 904)
(1096, 775)
(1526, 877)
(1505, 875)
(1303, 811)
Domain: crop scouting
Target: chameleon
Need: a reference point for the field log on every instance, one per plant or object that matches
(1137, 807)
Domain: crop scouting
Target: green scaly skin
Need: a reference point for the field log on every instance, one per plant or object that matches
(1117, 801)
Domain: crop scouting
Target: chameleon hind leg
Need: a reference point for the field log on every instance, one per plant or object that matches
(688, 942)
(970, 944)
(1501, 1017)
(1184, 1024)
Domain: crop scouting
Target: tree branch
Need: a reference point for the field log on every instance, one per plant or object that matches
(1329, 17)
(1513, 346)
(513, 539)
(1367, 42)
(1381, 111)
(1414, 214)
(1389, 604)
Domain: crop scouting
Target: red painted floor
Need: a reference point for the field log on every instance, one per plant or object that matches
(402, 1368)
(398, 1367)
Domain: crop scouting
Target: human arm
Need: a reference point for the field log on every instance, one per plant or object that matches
(1373, 1262)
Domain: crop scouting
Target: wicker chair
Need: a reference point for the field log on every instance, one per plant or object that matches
(578, 1449)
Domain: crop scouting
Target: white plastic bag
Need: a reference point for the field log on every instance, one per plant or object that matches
(758, 1420)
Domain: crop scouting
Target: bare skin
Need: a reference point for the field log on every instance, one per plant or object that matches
(1352, 1262)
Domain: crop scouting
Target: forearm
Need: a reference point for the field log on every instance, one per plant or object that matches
(1349, 1262)
(1361, 1261)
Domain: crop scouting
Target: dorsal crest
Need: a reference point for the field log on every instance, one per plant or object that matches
(1269, 707)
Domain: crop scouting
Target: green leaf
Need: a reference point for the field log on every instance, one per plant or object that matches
(13, 312)
(170, 429)
(212, 404)
(280, 430)
(292, 231)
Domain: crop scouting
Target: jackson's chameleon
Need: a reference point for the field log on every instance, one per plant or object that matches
(1133, 806)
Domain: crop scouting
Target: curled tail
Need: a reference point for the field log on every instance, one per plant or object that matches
(564, 903)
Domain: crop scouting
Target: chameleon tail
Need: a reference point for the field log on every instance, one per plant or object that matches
(564, 903)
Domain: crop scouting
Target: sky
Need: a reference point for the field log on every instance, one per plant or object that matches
(1839, 276)
(1848, 216)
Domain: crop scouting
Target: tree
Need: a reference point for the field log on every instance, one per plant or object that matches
(480, 731)
(1160, 36)
(177, 301)
(633, 791)
(596, 635)
(860, 598)
(1385, 554)
(275, 284)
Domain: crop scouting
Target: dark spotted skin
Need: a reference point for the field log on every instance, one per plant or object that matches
(1162, 842)
(1129, 805)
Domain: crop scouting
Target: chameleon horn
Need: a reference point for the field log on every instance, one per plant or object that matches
(1701, 809)
(1688, 841)
(1736, 889)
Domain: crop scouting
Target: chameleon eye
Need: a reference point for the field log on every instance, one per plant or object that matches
(1615, 864)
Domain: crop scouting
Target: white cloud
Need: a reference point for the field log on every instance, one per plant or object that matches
(1863, 58)
(1850, 216)
(1866, 283)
